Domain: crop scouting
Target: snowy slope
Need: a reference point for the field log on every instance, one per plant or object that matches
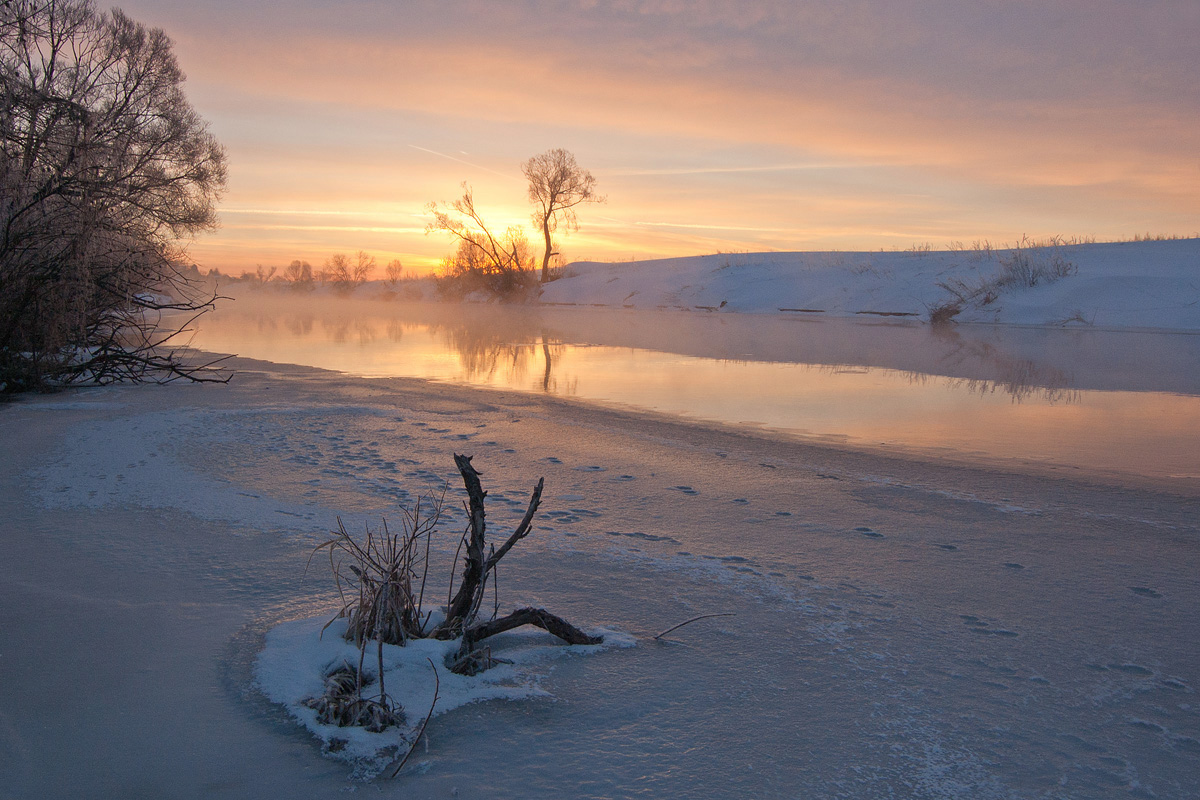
(1153, 285)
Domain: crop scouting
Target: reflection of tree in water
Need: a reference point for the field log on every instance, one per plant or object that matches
(1024, 381)
(265, 323)
(1021, 378)
(486, 352)
(299, 324)
(343, 329)
(396, 329)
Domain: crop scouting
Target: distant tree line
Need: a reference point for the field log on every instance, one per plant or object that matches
(341, 272)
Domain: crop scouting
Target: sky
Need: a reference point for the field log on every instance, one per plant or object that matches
(710, 126)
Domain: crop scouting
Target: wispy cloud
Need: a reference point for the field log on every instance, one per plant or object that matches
(717, 170)
(709, 227)
(331, 228)
(308, 212)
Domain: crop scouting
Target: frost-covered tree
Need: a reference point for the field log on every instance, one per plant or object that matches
(106, 171)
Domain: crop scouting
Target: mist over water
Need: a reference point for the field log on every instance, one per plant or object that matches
(1107, 401)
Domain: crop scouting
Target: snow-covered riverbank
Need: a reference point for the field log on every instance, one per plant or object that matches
(1141, 285)
(903, 627)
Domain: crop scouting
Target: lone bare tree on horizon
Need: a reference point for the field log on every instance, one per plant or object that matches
(557, 184)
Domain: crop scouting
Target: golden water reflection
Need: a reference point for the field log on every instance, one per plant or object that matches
(1077, 403)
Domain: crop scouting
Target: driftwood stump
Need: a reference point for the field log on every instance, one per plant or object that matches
(479, 564)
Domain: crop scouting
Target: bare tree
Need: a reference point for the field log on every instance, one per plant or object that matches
(263, 275)
(557, 185)
(394, 271)
(498, 264)
(364, 266)
(105, 172)
(299, 274)
(344, 272)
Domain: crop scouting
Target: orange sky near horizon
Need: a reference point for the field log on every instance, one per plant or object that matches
(709, 126)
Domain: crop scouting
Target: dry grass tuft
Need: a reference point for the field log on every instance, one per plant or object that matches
(381, 578)
(343, 704)
(1029, 264)
(944, 313)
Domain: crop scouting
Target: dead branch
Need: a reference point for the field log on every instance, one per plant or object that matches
(538, 617)
(693, 619)
(523, 529)
(437, 685)
(474, 572)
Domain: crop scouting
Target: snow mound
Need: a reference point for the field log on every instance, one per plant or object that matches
(297, 656)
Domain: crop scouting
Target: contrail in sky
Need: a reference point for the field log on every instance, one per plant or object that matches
(460, 161)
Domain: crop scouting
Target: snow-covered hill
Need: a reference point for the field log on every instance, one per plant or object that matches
(1153, 285)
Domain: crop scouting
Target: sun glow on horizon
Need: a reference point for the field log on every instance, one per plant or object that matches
(784, 126)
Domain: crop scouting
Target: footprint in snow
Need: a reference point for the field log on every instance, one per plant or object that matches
(976, 625)
(685, 489)
(945, 547)
(1146, 724)
(1131, 669)
(590, 468)
(1013, 565)
(649, 537)
(868, 532)
(1144, 591)
(1187, 744)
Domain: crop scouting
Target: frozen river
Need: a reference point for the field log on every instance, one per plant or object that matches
(908, 627)
(1056, 399)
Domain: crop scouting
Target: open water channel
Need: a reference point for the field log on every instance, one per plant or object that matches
(1101, 401)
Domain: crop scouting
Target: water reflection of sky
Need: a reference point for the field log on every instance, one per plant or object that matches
(1122, 402)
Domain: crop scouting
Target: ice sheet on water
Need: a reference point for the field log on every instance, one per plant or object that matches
(141, 462)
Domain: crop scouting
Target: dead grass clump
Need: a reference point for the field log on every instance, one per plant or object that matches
(981, 250)
(1029, 264)
(381, 579)
(944, 313)
(342, 702)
